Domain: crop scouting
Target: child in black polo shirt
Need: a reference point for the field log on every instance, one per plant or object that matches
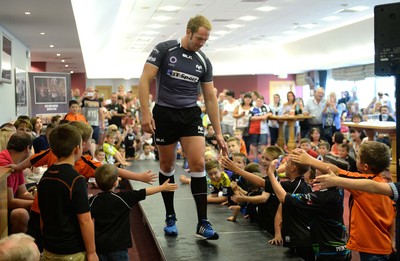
(110, 212)
(325, 208)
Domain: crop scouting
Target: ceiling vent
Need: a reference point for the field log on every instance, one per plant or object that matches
(222, 20)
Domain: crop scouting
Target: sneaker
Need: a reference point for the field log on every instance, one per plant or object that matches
(205, 231)
(170, 228)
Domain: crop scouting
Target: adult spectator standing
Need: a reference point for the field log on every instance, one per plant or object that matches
(179, 68)
(315, 106)
(259, 127)
(331, 117)
(276, 109)
(242, 116)
(19, 247)
(227, 119)
(116, 110)
(91, 109)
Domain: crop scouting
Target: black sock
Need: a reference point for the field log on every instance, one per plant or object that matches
(168, 197)
(199, 191)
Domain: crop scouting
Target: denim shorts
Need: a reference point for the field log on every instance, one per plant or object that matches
(258, 139)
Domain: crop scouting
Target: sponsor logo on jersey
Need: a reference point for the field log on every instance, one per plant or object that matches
(182, 76)
(184, 55)
(200, 129)
(151, 59)
(156, 51)
(173, 59)
(160, 140)
(199, 68)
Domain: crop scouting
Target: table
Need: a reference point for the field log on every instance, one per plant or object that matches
(371, 128)
(4, 172)
(291, 120)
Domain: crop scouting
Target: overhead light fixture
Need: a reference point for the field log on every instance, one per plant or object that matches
(248, 18)
(221, 32)
(149, 32)
(161, 18)
(266, 8)
(234, 26)
(170, 8)
(358, 8)
(27, 13)
(42, 33)
(155, 26)
(308, 26)
(58, 54)
(289, 32)
(66, 65)
(63, 61)
(331, 18)
(51, 45)
(71, 71)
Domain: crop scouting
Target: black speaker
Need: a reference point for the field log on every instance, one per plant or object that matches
(387, 39)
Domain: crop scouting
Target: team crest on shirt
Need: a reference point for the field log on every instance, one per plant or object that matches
(200, 129)
(199, 68)
(173, 59)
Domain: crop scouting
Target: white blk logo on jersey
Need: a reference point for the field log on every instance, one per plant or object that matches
(184, 55)
(199, 68)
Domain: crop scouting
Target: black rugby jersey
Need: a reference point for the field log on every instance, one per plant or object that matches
(180, 74)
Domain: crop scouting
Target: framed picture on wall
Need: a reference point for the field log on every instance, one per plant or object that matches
(21, 95)
(5, 58)
(49, 92)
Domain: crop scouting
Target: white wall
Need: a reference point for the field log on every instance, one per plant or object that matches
(7, 91)
(112, 82)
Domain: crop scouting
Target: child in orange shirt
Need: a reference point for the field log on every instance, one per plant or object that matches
(74, 114)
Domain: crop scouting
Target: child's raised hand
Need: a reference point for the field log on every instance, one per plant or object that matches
(272, 167)
(149, 177)
(166, 186)
(227, 163)
(325, 181)
(300, 156)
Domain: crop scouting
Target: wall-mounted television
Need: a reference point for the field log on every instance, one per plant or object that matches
(5, 59)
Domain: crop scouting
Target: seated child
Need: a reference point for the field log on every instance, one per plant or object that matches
(220, 182)
(315, 138)
(147, 154)
(100, 156)
(344, 150)
(111, 151)
(337, 139)
(111, 212)
(305, 144)
(324, 148)
(208, 156)
(238, 134)
(210, 136)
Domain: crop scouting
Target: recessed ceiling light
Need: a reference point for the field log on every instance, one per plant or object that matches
(144, 38)
(66, 65)
(274, 37)
(309, 26)
(42, 33)
(71, 71)
(58, 54)
(27, 13)
(155, 26)
(63, 61)
(289, 32)
(331, 18)
(358, 8)
(51, 45)
(248, 18)
(221, 32)
(266, 8)
(170, 8)
(162, 18)
(149, 32)
(234, 26)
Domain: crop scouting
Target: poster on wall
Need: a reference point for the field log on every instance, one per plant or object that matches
(50, 94)
(21, 95)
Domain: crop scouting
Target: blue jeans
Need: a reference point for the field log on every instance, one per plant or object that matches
(114, 256)
(373, 257)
